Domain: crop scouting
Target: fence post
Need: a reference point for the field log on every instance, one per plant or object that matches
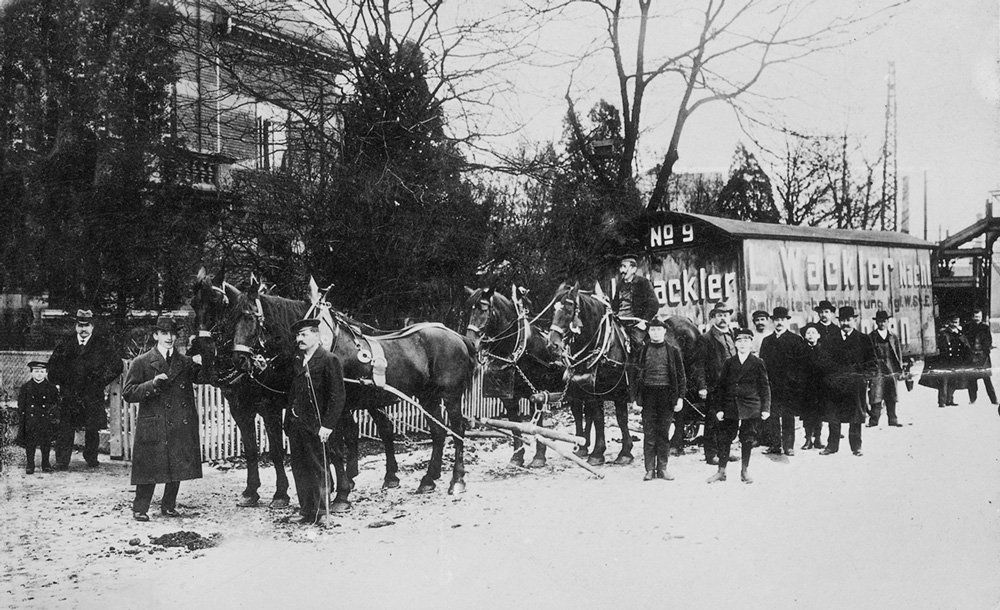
(115, 406)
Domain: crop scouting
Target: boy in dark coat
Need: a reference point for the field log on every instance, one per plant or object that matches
(166, 448)
(745, 401)
(813, 393)
(38, 407)
(784, 354)
(662, 387)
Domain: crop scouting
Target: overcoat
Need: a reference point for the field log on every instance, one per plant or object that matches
(954, 353)
(785, 357)
(710, 353)
(890, 365)
(814, 393)
(38, 412)
(848, 364)
(166, 446)
(745, 391)
(325, 382)
(677, 386)
(645, 305)
(82, 373)
(980, 343)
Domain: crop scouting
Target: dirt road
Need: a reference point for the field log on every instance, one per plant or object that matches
(914, 523)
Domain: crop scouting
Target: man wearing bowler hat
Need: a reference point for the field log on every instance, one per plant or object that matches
(712, 349)
(166, 449)
(890, 365)
(828, 327)
(634, 302)
(82, 366)
(851, 364)
(785, 355)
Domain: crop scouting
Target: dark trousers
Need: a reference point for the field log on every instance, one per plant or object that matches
(657, 414)
(64, 444)
(144, 495)
(813, 427)
(781, 431)
(853, 436)
(710, 439)
(729, 429)
(29, 450)
(890, 411)
(308, 468)
(946, 391)
(974, 389)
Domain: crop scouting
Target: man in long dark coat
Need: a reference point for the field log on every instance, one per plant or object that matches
(890, 364)
(662, 386)
(946, 371)
(980, 339)
(82, 366)
(744, 401)
(166, 448)
(634, 302)
(850, 365)
(784, 353)
(313, 419)
(714, 346)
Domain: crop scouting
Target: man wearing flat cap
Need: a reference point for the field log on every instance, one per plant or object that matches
(785, 355)
(890, 368)
(82, 366)
(850, 364)
(167, 448)
(634, 302)
(313, 419)
(662, 385)
(712, 349)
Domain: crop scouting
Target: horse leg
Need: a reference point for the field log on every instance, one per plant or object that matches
(596, 410)
(244, 416)
(432, 405)
(276, 448)
(351, 435)
(453, 406)
(576, 407)
(539, 460)
(513, 408)
(385, 432)
(621, 414)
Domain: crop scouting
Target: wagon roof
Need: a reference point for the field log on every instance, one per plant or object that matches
(742, 229)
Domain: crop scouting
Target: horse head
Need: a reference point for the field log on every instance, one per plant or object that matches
(248, 327)
(492, 316)
(211, 301)
(565, 318)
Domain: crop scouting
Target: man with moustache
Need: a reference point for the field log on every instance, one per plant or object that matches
(82, 366)
(851, 362)
(827, 325)
(890, 363)
(712, 349)
(635, 304)
(760, 330)
(784, 354)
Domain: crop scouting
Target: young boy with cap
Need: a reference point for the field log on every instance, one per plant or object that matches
(745, 402)
(662, 386)
(38, 407)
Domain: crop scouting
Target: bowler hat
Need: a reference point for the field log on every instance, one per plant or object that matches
(84, 316)
(312, 323)
(881, 315)
(166, 324)
(719, 308)
(846, 312)
(759, 314)
(743, 332)
(38, 364)
(824, 305)
(780, 313)
(657, 322)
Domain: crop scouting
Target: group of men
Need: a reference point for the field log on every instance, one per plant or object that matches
(752, 385)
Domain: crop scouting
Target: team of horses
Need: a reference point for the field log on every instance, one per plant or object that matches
(579, 357)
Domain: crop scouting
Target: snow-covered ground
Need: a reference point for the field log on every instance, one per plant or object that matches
(914, 523)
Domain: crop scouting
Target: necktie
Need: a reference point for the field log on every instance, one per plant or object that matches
(170, 356)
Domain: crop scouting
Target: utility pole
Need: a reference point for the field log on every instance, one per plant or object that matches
(925, 205)
(889, 165)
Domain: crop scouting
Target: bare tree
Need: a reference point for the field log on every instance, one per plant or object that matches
(732, 46)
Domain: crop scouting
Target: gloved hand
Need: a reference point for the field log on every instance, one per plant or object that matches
(703, 394)
(718, 416)
(324, 433)
(765, 415)
(679, 405)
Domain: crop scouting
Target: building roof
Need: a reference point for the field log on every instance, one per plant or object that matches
(742, 229)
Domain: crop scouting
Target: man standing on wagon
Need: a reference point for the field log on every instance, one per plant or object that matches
(634, 302)
(82, 366)
(166, 449)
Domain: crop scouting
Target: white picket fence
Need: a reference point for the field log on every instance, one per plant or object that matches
(220, 438)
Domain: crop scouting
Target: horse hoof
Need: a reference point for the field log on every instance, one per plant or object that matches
(517, 461)
(624, 460)
(248, 503)
(581, 452)
(537, 463)
(426, 488)
(278, 503)
(595, 460)
(350, 485)
(390, 483)
(457, 487)
(340, 506)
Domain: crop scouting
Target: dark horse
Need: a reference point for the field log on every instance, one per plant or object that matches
(515, 352)
(593, 344)
(217, 304)
(426, 361)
